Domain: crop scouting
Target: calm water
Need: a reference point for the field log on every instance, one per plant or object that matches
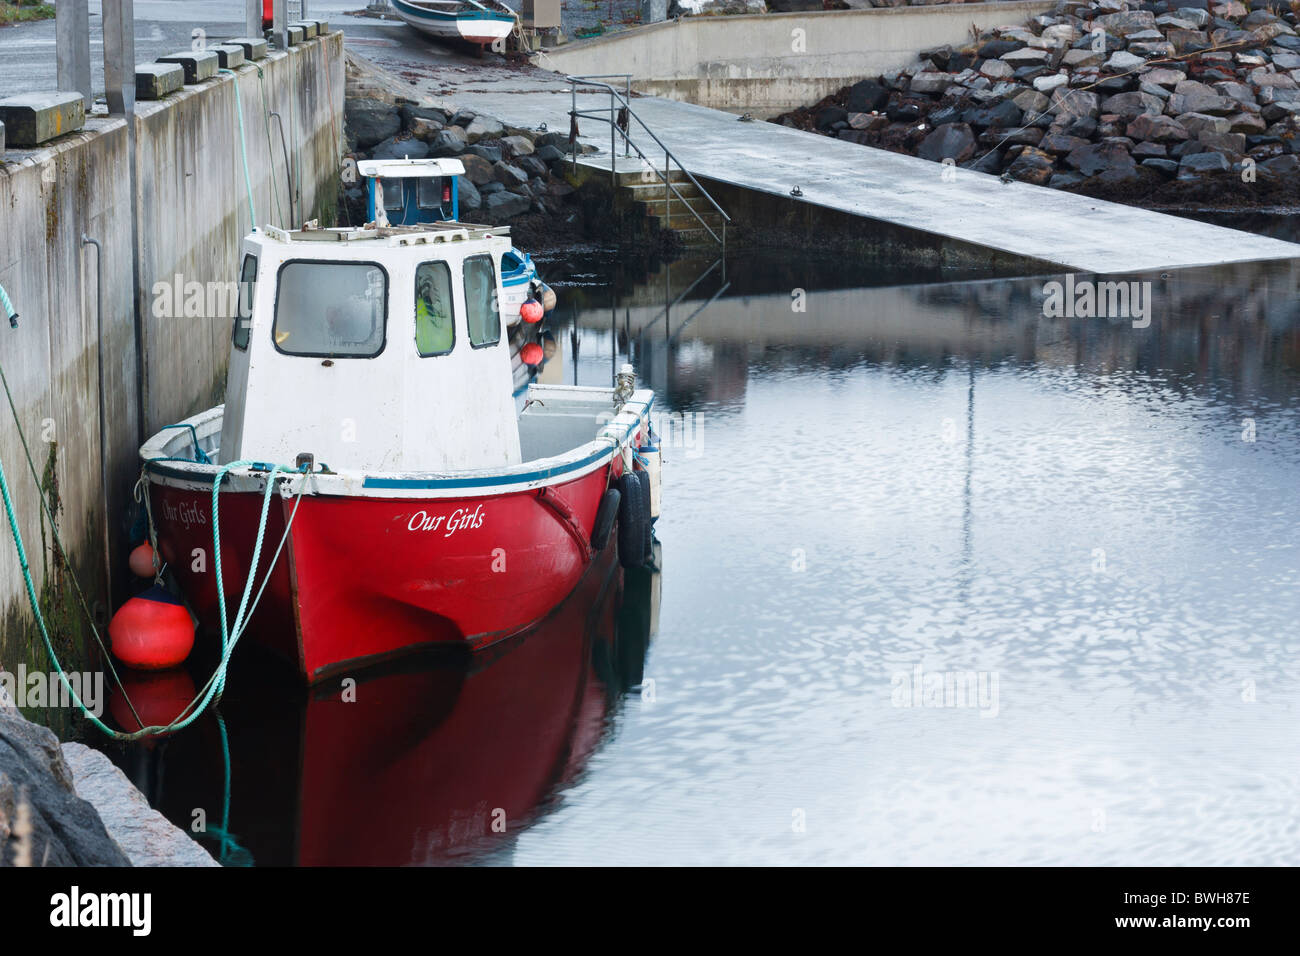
(893, 486)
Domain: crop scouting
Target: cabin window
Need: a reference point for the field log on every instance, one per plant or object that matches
(435, 330)
(331, 309)
(244, 311)
(481, 311)
(393, 200)
(432, 192)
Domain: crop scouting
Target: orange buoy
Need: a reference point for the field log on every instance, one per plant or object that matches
(141, 560)
(152, 631)
(531, 310)
(159, 697)
(531, 354)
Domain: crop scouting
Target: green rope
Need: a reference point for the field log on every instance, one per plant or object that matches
(243, 148)
(270, 151)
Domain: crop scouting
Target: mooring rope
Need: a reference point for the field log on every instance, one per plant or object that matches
(213, 687)
(243, 148)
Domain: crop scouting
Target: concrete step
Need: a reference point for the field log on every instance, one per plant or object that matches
(649, 192)
(701, 204)
(680, 221)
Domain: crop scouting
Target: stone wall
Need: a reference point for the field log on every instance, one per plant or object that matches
(192, 209)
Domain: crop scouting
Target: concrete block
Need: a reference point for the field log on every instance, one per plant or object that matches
(199, 65)
(322, 27)
(153, 81)
(308, 28)
(34, 118)
(254, 47)
(229, 55)
(296, 35)
(2, 137)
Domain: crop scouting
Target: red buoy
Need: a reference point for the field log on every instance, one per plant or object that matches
(152, 631)
(159, 697)
(141, 560)
(531, 354)
(531, 310)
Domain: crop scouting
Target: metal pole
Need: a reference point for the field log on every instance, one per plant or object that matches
(253, 17)
(613, 155)
(72, 47)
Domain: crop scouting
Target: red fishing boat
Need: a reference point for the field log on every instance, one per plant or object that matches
(419, 498)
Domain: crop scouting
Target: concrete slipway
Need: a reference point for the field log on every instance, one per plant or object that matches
(1074, 232)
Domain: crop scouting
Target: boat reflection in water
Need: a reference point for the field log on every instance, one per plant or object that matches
(443, 759)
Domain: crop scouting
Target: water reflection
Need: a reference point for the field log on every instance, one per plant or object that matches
(871, 477)
(440, 760)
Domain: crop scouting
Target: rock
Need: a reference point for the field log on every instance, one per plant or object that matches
(1055, 81)
(1281, 166)
(1097, 158)
(467, 195)
(508, 175)
(533, 166)
(462, 118)
(1246, 123)
(1069, 102)
(449, 142)
(1126, 23)
(1145, 150)
(1030, 102)
(1085, 57)
(1065, 180)
(146, 836)
(504, 204)
(1165, 167)
(1200, 165)
(1003, 113)
(1128, 105)
(36, 783)
(492, 153)
(1032, 166)
(477, 169)
(928, 83)
(830, 116)
(1162, 76)
(409, 148)
(518, 145)
(549, 155)
(867, 96)
(1157, 129)
(425, 129)
(996, 69)
(997, 48)
(370, 121)
(1123, 62)
(953, 141)
(1026, 57)
(1197, 123)
(1193, 97)
(1061, 143)
(487, 189)
(410, 113)
(483, 127)
(1227, 143)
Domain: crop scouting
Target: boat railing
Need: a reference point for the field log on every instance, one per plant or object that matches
(620, 116)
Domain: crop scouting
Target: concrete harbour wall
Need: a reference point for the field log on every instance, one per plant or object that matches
(192, 208)
(775, 62)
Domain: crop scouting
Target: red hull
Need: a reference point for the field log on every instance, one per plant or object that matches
(363, 579)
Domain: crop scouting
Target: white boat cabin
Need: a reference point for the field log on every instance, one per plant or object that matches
(380, 349)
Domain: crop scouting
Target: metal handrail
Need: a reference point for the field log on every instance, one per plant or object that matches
(614, 128)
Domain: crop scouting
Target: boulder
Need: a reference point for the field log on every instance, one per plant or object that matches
(509, 175)
(518, 145)
(1097, 158)
(1070, 102)
(1157, 129)
(929, 83)
(1032, 166)
(483, 127)
(1003, 113)
(867, 96)
(489, 151)
(1129, 105)
(1201, 165)
(504, 204)
(38, 795)
(467, 195)
(1191, 96)
(370, 121)
(477, 169)
(409, 148)
(1123, 62)
(1125, 23)
(953, 141)
(449, 142)
(1197, 123)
